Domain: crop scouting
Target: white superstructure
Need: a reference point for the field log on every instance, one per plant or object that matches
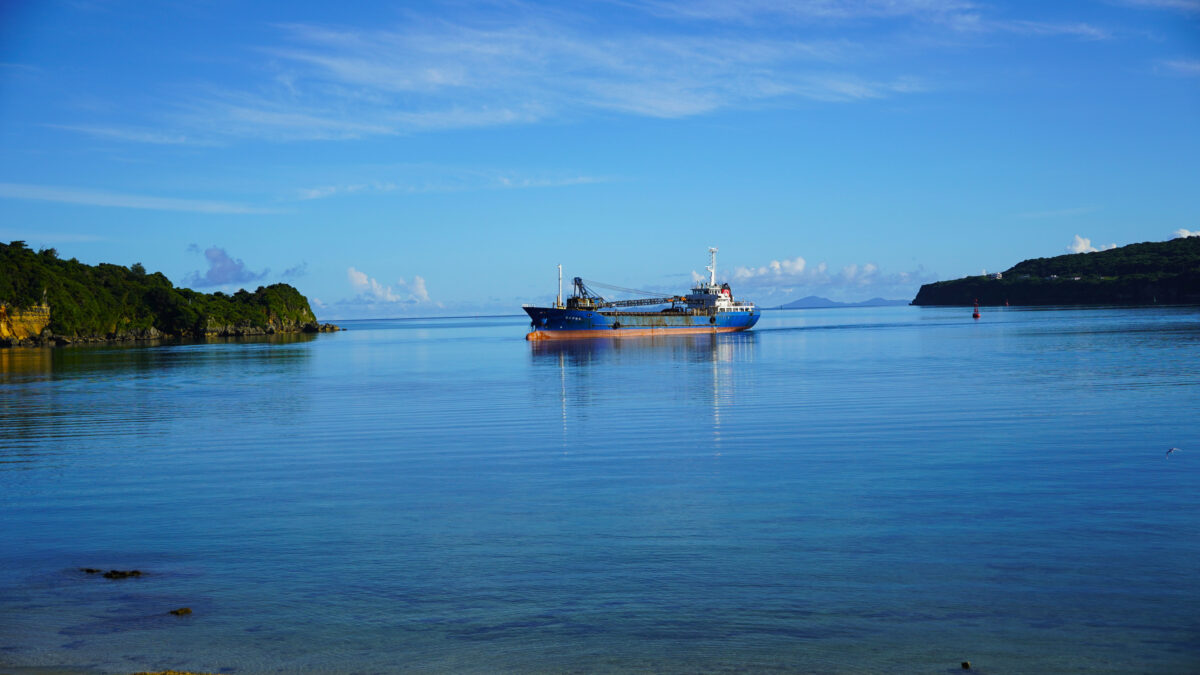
(712, 295)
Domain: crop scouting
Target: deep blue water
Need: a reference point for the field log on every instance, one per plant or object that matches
(836, 491)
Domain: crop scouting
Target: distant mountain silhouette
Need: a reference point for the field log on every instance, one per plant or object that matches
(815, 302)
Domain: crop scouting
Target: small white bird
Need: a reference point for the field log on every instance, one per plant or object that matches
(1170, 450)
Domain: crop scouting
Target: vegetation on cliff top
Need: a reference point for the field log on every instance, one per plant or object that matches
(111, 301)
(1146, 273)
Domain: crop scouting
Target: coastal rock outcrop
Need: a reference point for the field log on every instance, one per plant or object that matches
(24, 324)
(274, 325)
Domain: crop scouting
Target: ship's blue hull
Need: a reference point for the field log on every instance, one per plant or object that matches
(550, 323)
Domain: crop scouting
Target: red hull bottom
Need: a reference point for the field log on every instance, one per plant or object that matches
(627, 332)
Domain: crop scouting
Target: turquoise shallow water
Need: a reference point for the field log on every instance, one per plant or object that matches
(837, 491)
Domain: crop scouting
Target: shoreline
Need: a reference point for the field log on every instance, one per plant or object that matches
(152, 335)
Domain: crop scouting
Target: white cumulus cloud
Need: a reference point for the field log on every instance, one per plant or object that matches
(1084, 245)
(860, 275)
(369, 288)
(1184, 234)
(776, 268)
(416, 289)
(795, 276)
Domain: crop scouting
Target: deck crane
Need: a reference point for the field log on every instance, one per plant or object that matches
(586, 298)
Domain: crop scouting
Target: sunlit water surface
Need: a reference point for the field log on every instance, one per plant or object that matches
(837, 491)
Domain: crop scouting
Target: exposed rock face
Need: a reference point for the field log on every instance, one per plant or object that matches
(18, 325)
(275, 325)
(314, 327)
(29, 328)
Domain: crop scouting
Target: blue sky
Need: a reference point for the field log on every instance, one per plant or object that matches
(441, 158)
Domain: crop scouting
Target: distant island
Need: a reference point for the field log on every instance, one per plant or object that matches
(1149, 273)
(45, 300)
(815, 302)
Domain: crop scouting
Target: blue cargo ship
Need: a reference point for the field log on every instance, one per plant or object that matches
(709, 308)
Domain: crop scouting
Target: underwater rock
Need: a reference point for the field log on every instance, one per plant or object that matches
(171, 672)
(122, 574)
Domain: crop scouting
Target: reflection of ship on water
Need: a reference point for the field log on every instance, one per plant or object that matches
(696, 371)
(691, 348)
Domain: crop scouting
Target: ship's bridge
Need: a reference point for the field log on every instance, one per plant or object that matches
(712, 296)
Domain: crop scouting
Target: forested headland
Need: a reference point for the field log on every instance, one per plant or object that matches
(47, 300)
(1166, 272)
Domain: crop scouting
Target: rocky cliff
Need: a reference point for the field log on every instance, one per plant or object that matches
(23, 324)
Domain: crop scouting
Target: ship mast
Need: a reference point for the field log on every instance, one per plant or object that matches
(712, 266)
(558, 302)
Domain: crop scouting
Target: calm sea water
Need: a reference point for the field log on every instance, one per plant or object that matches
(837, 491)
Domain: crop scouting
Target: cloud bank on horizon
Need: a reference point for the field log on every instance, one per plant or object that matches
(780, 279)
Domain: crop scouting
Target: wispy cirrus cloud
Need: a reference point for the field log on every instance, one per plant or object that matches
(72, 195)
(39, 237)
(453, 75)
(529, 64)
(754, 11)
(1059, 213)
(955, 15)
(1081, 30)
(444, 179)
(427, 74)
(305, 194)
(1185, 67)
(1178, 5)
(132, 134)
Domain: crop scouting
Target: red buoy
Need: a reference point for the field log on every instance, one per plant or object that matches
(976, 314)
